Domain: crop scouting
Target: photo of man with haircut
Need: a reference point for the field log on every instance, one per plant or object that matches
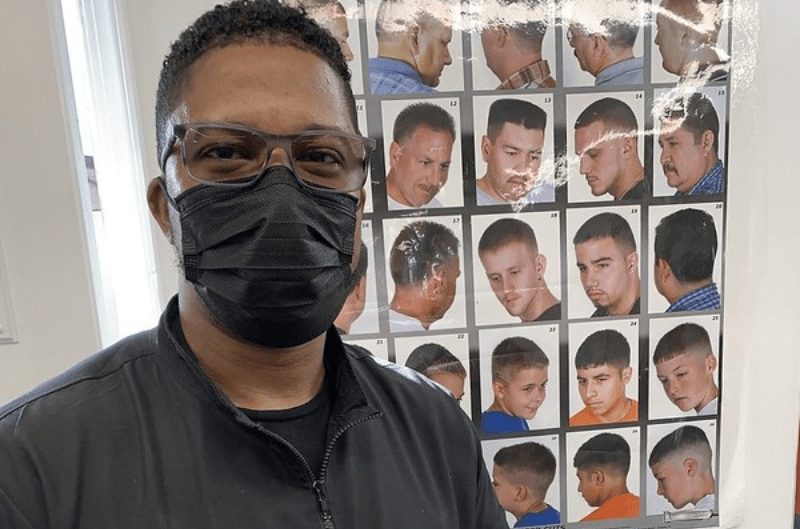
(419, 156)
(515, 269)
(603, 366)
(606, 141)
(685, 251)
(512, 149)
(606, 256)
(689, 141)
(424, 266)
(511, 38)
(682, 465)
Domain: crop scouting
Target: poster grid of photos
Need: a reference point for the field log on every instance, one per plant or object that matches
(544, 229)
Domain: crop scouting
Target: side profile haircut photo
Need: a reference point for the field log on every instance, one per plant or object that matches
(682, 465)
(440, 365)
(522, 474)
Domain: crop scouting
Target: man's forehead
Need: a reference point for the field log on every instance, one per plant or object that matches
(598, 370)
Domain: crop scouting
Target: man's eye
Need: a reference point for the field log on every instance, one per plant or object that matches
(224, 152)
(319, 156)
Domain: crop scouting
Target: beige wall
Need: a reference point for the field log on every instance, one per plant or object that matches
(41, 230)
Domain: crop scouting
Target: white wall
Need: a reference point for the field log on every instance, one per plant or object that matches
(41, 221)
(41, 230)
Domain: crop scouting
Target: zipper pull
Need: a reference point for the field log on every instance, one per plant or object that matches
(322, 499)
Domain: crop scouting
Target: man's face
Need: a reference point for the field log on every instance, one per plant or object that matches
(608, 275)
(432, 53)
(684, 161)
(674, 483)
(452, 381)
(668, 40)
(586, 486)
(421, 164)
(514, 273)
(524, 393)
(602, 161)
(334, 19)
(582, 49)
(277, 89)
(602, 389)
(505, 491)
(687, 379)
(513, 160)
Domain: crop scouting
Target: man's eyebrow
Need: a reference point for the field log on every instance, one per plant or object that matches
(601, 260)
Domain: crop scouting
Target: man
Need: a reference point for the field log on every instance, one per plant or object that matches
(357, 298)
(605, 251)
(602, 463)
(603, 366)
(685, 367)
(512, 149)
(686, 35)
(689, 141)
(419, 156)
(332, 16)
(413, 40)
(424, 267)
(603, 44)
(606, 141)
(511, 39)
(515, 269)
(243, 408)
(682, 465)
(521, 474)
(685, 250)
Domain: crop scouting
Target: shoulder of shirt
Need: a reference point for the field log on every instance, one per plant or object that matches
(96, 368)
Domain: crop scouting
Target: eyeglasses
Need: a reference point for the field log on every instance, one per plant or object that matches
(572, 35)
(228, 154)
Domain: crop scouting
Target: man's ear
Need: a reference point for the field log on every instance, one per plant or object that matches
(632, 262)
(707, 142)
(629, 146)
(627, 372)
(159, 206)
(395, 152)
(436, 278)
(663, 270)
(413, 35)
(498, 389)
(486, 145)
(540, 262)
(598, 477)
(690, 466)
(711, 362)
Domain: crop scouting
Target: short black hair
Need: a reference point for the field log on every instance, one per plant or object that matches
(607, 224)
(514, 354)
(684, 438)
(516, 112)
(506, 231)
(419, 247)
(530, 464)
(431, 358)
(679, 340)
(687, 241)
(242, 21)
(604, 347)
(419, 115)
(607, 450)
(696, 114)
(614, 114)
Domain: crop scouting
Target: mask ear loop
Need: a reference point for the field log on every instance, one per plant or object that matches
(163, 185)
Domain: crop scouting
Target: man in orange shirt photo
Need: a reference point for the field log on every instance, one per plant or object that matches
(602, 465)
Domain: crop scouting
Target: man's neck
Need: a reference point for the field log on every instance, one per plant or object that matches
(614, 56)
(701, 59)
(252, 376)
(515, 61)
(411, 302)
(625, 305)
(398, 50)
(616, 413)
(484, 184)
(633, 174)
(614, 488)
(537, 505)
(683, 289)
(543, 301)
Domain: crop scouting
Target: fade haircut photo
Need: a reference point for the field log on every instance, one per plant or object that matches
(687, 241)
(425, 115)
(529, 464)
(504, 232)
(696, 114)
(605, 347)
(514, 354)
(683, 338)
(432, 358)
(516, 112)
(607, 450)
(238, 22)
(615, 116)
(684, 439)
(607, 225)
(418, 248)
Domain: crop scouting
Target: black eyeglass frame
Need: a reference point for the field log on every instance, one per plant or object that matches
(179, 133)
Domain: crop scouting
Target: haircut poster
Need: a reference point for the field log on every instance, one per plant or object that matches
(544, 226)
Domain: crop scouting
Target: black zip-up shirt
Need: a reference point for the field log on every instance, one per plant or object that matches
(138, 437)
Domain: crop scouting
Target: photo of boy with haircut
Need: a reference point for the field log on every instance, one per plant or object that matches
(603, 365)
(681, 464)
(685, 367)
(602, 465)
(519, 379)
(515, 269)
(440, 365)
(521, 475)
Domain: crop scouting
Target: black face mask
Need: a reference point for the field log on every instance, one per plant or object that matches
(271, 261)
